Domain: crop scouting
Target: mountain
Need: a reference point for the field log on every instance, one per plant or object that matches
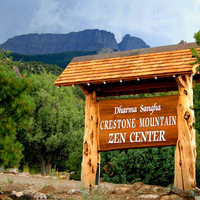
(129, 42)
(87, 40)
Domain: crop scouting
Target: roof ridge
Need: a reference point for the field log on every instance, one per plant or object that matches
(135, 52)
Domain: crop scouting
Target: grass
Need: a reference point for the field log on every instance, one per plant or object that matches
(10, 181)
(94, 194)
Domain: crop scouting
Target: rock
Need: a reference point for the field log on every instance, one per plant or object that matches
(86, 40)
(29, 194)
(47, 189)
(171, 197)
(74, 192)
(129, 43)
(109, 189)
(176, 190)
(161, 190)
(149, 196)
(17, 194)
(11, 171)
(121, 190)
(166, 197)
(145, 189)
(137, 185)
(197, 191)
(175, 197)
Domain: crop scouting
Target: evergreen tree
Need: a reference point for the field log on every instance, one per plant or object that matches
(57, 121)
(15, 110)
(196, 54)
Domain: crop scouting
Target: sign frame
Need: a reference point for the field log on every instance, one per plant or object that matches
(137, 123)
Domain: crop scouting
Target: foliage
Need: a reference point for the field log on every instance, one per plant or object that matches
(59, 59)
(149, 165)
(57, 117)
(38, 68)
(197, 127)
(195, 52)
(15, 110)
(73, 164)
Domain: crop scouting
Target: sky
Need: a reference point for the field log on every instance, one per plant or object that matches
(157, 22)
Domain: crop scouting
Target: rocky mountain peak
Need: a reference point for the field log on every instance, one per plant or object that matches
(86, 40)
(129, 43)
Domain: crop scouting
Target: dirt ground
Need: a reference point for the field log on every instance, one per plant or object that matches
(56, 188)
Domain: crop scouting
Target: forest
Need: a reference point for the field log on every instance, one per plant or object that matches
(42, 128)
(59, 59)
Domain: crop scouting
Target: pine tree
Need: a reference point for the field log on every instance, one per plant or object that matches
(15, 107)
(195, 52)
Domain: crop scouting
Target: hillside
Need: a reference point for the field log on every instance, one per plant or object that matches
(59, 59)
(87, 40)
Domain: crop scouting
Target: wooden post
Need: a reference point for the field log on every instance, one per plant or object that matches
(91, 157)
(185, 153)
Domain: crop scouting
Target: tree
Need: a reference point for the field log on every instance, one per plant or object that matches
(15, 109)
(196, 54)
(149, 165)
(57, 117)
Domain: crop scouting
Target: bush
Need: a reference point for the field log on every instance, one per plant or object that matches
(149, 165)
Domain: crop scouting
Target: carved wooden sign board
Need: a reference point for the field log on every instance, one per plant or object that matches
(112, 124)
(137, 123)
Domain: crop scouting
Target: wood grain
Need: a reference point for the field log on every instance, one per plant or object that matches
(91, 156)
(133, 124)
(144, 66)
(185, 153)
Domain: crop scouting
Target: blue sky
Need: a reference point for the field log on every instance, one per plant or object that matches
(157, 22)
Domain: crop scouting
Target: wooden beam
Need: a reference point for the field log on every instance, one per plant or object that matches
(143, 86)
(138, 86)
(185, 153)
(91, 157)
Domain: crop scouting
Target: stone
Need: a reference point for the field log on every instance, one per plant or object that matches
(176, 190)
(121, 190)
(145, 189)
(17, 194)
(74, 192)
(29, 194)
(137, 185)
(166, 197)
(129, 42)
(149, 196)
(161, 190)
(47, 189)
(86, 40)
(11, 171)
(175, 197)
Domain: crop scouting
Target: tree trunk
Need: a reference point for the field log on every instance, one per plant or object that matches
(45, 167)
(48, 168)
(91, 156)
(185, 153)
(42, 166)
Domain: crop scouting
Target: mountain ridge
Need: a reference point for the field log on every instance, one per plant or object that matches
(86, 40)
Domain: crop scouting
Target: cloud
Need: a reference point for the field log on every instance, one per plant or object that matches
(157, 22)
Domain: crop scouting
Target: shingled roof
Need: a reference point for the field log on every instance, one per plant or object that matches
(131, 65)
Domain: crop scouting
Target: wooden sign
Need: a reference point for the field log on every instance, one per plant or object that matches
(137, 123)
